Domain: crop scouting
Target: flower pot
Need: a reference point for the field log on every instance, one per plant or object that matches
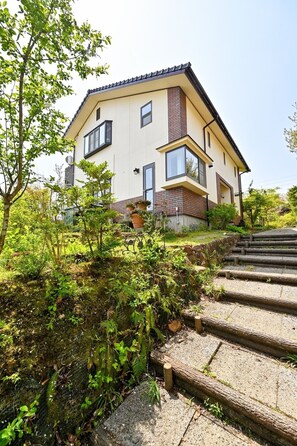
(137, 221)
(141, 206)
(130, 208)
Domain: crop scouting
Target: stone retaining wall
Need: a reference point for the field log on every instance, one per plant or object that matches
(211, 253)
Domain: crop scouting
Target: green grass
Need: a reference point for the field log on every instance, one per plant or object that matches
(194, 237)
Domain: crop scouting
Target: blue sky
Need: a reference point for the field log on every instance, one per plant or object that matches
(243, 52)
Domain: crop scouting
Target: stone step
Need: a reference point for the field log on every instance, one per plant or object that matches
(272, 243)
(265, 331)
(243, 405)
(271, 235)
(262, 260)
(269, 251)
(176, 420)
(209, 367)
(277, 275)
(265, 295)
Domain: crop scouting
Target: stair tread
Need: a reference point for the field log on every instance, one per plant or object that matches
(281, 325)
(177, 419)
(240, 368)
(261, 289)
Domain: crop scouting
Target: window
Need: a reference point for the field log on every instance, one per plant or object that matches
(98, 138)
(97, 114)
(146, 114)
(182, 161)
(208, 139)
(224, 157)
(234, 171)
(149, 184)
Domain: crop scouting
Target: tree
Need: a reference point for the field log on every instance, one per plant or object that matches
(90, 205)
(292, 198)
(41, 47)
(291, 134)
(261, 205)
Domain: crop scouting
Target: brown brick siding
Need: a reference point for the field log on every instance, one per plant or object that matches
(120, 206)
(177, 114)
(167, 201)
(188, 203)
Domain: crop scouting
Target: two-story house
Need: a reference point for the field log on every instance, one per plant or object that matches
(165, 142)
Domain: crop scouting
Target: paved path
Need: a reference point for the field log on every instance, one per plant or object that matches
(176, 421)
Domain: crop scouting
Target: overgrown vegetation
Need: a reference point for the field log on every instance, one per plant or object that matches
(221, 215)
(87, 307)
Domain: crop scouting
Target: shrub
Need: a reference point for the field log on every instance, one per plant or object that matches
(237, 229)
(221, 215)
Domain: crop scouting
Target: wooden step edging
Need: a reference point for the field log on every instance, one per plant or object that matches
(272, 345)
(260, 250)
(280, 305)
(262, 260)
(266, 422)
(259, 276)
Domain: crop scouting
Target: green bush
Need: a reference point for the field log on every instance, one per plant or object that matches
(30, 264)
(221, 215)
(237, 229)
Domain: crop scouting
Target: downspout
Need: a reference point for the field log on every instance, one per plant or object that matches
(204, 148)
(204, 139)
(240, 192)
(207, 209)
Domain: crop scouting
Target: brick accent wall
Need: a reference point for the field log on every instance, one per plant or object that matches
(187, 201)
(120, 206)
(177, 113)
(167, 201)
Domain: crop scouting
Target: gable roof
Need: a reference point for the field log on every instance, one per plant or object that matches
(183, 69)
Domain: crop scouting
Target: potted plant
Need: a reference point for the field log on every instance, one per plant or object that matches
(142, 204)
(130, 207)
(137, 219)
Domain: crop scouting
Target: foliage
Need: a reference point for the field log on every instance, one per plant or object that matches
(214, 408)
(237, 229)
(42, 46)
(291, 134)
(20, 425)
(292, 359)
(30, 265)
(221, 215)
(261, 206)
(153, 394)
(90, 203)
(292, 198)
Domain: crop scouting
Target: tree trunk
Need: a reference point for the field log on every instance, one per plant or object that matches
(5, 220)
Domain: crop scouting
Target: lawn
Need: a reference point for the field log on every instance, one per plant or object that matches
(195, 237)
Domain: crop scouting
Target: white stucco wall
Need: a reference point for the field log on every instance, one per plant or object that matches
(195, 125)
(132, 146)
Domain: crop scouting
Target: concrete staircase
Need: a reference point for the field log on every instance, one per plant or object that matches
(266, 249)
(231, 359)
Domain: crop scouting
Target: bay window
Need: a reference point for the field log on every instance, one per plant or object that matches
(182, 161)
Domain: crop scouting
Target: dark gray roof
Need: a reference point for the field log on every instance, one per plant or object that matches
(177, 69)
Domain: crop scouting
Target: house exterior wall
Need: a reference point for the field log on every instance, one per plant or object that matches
(225, 167)
(132, 146)
(173, 117)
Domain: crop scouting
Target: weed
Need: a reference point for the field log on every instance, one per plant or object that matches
(250, 268)
(20, 425)
(292, 359)
(153, 393)
(214, 408)
(207, 371)
(14, 378)
(196, 308)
